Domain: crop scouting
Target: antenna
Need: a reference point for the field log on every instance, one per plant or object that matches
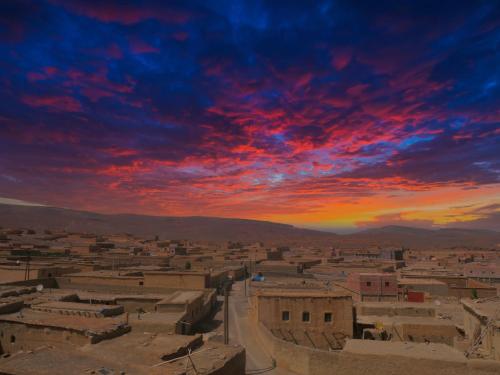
(39, 287)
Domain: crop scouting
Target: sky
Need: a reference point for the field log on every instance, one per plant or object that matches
(333, 115)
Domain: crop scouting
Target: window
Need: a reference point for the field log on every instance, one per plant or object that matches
(306, 317)
(285, 316)
(387, 283)
(328, 317)
(12, 339)
(368, 283)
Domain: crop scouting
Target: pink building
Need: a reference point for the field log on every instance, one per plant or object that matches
(373, 286)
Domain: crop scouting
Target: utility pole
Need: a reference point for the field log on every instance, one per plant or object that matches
(245, 279)
(27, 269)
(226, 313)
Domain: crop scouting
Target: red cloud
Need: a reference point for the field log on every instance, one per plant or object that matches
(341, 58)
(140, 46)
(125, 13)
(54, 103)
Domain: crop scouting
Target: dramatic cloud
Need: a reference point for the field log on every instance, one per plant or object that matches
(326, 114)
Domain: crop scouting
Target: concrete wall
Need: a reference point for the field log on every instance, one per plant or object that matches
(108, 281)
(469, 292)
(177, 280)
(131, 305)
(444, 334)
(434, 289)
(407, 309)
(307, 361)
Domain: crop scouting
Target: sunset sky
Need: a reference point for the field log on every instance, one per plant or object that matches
(324, 114)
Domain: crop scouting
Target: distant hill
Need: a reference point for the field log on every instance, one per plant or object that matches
(221, 229)
(394, 235)
(195, 228)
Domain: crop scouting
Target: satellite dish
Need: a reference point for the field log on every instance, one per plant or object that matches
(39, 287)
(18, 262)
(437, 302)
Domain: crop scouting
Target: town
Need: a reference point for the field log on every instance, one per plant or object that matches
(246, 187)
(120, 304)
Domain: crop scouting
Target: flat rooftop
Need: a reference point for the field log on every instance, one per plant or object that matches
(193, 273)
(302, 293)
(132, 353)
(104, 274)
(156, 318)
(397, 305)
(79, 307)
(396, 320)
(181, 297)
(376, 274)
(70, 322)
(423, 281)
(485, 308)
(440, 352)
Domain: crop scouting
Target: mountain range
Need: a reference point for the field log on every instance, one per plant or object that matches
(226, 229)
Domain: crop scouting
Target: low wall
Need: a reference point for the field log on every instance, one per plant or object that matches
(15, 337)
(406, 309)
(472, 292)
(307, 361)
(233, 366)
(65, 283)
(47, 283)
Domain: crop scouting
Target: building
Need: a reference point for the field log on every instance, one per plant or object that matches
(372, 286)
(489, 272)
(404, 321)
(429, 287)
(28, 329)
(392, 254)
(458, 286)
(315, 319)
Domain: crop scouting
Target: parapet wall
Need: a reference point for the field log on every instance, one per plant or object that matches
(233, 366)
(15, 337)
(306, 361)
(67, 283)
(46, 282)
(472, 292)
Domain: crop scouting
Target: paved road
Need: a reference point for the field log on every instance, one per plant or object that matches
(241, 332)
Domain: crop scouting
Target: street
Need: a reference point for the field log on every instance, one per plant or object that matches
(241, 332)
